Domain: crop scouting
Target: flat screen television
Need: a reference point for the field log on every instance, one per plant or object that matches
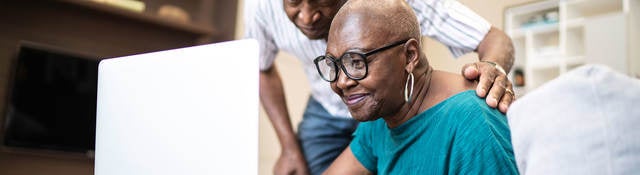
(51, 101)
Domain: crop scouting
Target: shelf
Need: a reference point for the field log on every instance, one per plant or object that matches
(584, 34)
(546, 28)
(587, 8)
(575, 60)
(533, 7)
(574, 23)
(544, 63)
(144, 17)
(554, 62)
(538, 29)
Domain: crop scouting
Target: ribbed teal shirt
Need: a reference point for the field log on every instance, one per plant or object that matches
(460, 135)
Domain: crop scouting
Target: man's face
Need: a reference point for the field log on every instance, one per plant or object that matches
(312, 17)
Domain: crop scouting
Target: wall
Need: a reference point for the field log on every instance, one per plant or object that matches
(297, 89)
(439, 55)
(634, 38)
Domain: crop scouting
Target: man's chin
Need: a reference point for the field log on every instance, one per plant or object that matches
(315, 35)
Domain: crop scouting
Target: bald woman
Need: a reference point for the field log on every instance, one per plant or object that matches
(415, 120)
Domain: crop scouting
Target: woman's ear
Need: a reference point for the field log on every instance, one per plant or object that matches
(412, 52)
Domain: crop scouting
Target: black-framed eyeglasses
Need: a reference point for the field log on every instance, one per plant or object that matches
(353, 64)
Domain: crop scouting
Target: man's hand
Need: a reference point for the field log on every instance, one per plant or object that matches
(496, 49)
(291, 162)
(493, 82)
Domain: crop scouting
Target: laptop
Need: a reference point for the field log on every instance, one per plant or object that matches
(185, 111)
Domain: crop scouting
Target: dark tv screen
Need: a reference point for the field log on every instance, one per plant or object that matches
(52, 100)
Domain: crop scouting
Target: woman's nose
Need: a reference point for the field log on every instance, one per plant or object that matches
(344, 82)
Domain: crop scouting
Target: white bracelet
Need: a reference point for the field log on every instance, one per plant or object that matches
(497, 66)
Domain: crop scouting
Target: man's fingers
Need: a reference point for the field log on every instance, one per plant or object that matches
(508, 98)
(497, 91)
(302, 171)
(470, 71)
(493, 85)
(487, 78)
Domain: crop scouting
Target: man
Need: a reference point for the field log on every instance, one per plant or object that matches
(300, 27)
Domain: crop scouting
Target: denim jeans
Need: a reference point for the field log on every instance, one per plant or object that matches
(322, 136)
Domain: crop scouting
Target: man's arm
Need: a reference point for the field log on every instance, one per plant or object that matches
(464, 31)
(495, 48)
(291, 160)
(346, 163)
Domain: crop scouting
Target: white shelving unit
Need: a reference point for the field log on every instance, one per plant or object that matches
(553, 36)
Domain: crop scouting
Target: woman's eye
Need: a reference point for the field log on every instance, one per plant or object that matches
(328, 63)
(358, 64)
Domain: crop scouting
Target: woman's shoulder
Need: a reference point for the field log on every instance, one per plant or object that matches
(467, 104)
(452, 82)
(457, 100)
(466, 110)
(473, 120)
(480, 129)
(445, 85)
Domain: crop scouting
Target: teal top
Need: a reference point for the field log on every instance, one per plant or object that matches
(460, 135)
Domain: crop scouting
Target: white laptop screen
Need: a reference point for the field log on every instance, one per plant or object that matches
(185, 111)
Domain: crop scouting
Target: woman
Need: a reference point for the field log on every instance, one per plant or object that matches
(416, 120)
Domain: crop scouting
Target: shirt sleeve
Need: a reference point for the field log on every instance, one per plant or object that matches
(361, 147)
(451, 23)
(256, 16)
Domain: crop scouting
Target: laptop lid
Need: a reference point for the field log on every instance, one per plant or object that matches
(184, 111)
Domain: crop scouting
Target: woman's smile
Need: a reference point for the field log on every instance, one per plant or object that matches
(354, 99)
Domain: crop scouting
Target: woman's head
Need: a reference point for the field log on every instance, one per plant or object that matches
(372, 46)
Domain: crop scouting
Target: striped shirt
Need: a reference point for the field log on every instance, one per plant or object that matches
(447, 21)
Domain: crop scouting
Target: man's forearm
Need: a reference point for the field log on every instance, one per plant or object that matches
(274, 103)
(497, 47)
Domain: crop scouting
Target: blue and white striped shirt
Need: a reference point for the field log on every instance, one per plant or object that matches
(447, 21)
